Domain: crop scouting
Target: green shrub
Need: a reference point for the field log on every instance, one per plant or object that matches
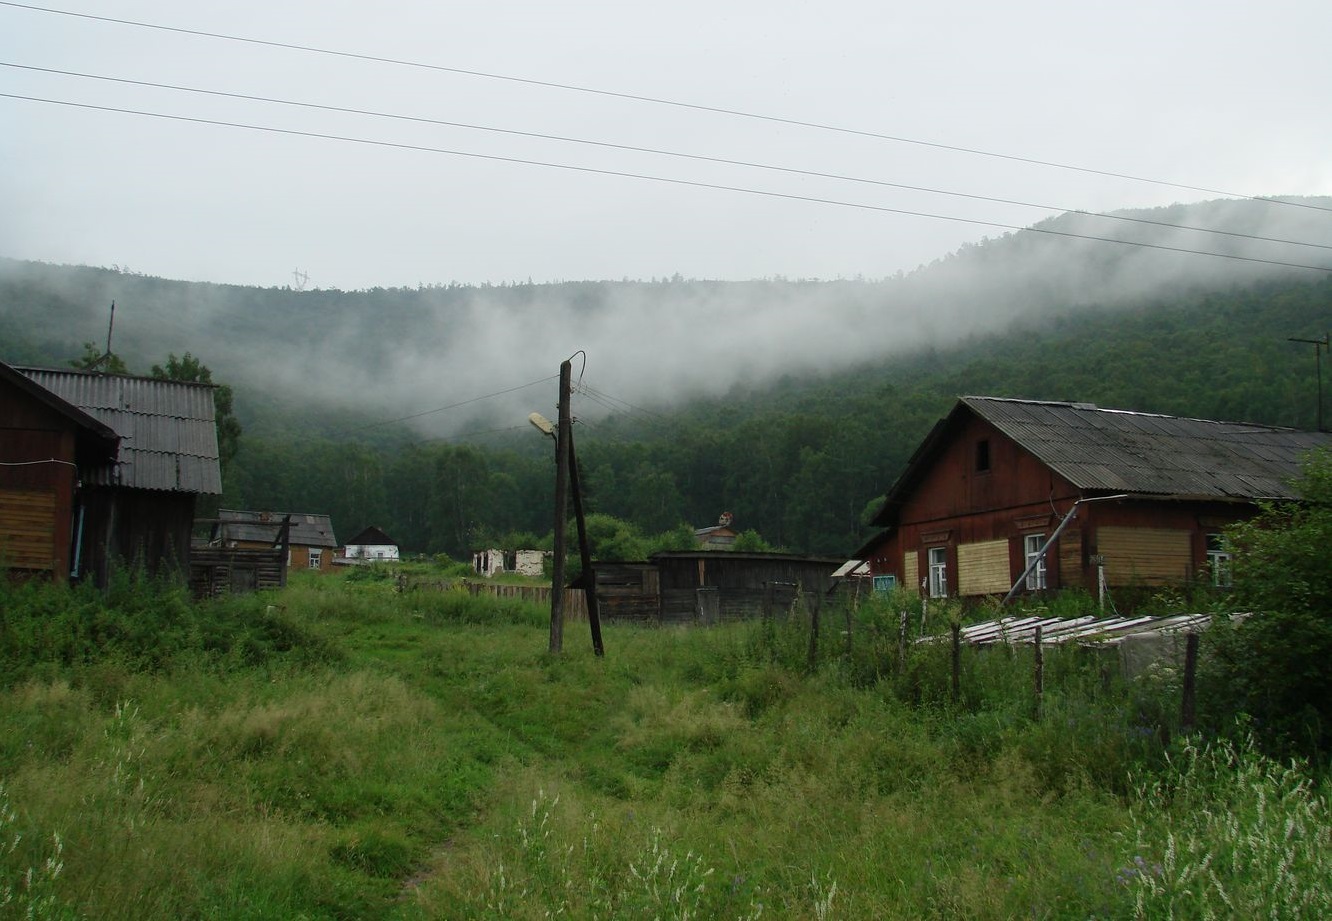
(370, 572)
(141, 625)
(1273, 666)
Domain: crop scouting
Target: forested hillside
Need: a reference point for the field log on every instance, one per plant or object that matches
(791, 404)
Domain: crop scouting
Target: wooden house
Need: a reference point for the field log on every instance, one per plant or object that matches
(217, 569)
(1142, 499)
(311, 544)
(370, 545)
(101, 469)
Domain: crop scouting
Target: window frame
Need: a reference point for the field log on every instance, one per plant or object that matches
(1219, 560)
(983, 461)
(316, 558)
(1038, 579)
(936, 561)
(884, 583)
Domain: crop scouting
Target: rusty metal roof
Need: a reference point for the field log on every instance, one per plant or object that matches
(1118, 451)
(168, 436)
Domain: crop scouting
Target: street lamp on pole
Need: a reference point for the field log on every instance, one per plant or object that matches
(545, 427)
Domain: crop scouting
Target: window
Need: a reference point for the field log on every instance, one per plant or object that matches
(315, 556)
(938, 572)
(1218, 560)
(884, 584)
(983, 456)
(1031, 552)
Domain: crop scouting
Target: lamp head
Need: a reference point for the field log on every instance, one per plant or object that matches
(542, 424)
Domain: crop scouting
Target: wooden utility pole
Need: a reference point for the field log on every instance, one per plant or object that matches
(1320, 345)
(109, 326)
(561, 510)
(585, 552)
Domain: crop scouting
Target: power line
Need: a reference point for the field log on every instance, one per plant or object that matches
(607, 400)
(653, 100)
(603, 403)
(440, 409)
(462, 435)
(650, 178)
(658, 152)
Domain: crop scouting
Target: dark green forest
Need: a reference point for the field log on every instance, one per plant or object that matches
(792, 404)
(800, 461)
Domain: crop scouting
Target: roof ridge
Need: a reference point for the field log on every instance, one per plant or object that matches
(1092, 407)
(83, 372)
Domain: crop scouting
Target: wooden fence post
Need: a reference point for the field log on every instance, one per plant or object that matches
(813, 633)
(901, 642)
(849, 610)
(957, 662)
(1040, 674)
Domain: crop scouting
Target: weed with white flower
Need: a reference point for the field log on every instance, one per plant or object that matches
(1230, 833)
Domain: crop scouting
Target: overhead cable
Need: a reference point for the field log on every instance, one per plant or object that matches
(660, 152)
(440, 409)
(653, 100)
(604, 397)
(290, 132)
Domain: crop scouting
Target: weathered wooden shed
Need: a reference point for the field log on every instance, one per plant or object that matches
(1146, 496)
(683, 587)
(220, 568)
(100, 469)
(310, 540)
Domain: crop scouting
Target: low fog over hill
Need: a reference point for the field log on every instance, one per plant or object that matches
(395, 351)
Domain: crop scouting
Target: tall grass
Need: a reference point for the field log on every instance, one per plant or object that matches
(27, 885)
(1229, 833)
(141, 625)
(421, 755)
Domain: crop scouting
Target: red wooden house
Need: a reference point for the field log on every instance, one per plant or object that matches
(101, 469)
(992, 483)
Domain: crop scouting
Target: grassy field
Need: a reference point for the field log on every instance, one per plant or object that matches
(343, 750)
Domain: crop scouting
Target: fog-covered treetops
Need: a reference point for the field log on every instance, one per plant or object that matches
(792, 403)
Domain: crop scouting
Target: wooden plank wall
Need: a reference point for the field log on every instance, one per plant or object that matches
(1070, 559)
(216, 571)
(27, 528)
(911, 572)
(982, 568)
(1150, 556)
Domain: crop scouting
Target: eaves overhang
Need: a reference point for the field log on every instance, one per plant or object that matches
(95, 438)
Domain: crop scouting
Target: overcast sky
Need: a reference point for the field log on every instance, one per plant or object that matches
(1222, 95)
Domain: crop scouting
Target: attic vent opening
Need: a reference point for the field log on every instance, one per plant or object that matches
(983, 455)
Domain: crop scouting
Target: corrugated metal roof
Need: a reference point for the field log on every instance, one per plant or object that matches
(168, 435)
(1149, 454)
(1086, 630)
(306, 530)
